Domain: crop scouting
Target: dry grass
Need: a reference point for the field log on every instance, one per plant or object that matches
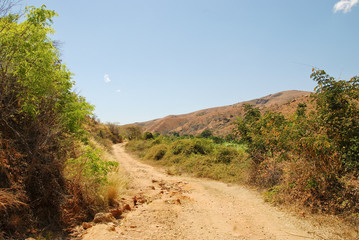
(14, 212)
(116, 187)
(335, 225)
(117, 180)
(9, 202)
(220, 119)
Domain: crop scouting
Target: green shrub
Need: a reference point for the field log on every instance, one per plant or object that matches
(206, 134)
(308, 158)
(138, 145)
(198, 156)
(147, 135)
(197, 146)
(226, 154)
(156, 152)
(178, 147)
(91, 166)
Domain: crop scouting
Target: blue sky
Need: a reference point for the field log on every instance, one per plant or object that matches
(138, 60)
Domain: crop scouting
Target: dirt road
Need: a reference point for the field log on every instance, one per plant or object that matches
(176, 207)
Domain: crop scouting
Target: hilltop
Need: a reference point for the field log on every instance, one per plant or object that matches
(220, 119)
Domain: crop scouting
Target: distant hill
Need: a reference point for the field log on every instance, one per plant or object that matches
(220, 119)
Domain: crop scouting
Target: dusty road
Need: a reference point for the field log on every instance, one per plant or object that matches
(176, 207)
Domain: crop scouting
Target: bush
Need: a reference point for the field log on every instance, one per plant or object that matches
(308, 158)
(157, 152)
(92, 182)
(198, 146)
(201, 157)
(115, 135)
(206, 134)
(148, 135)
(226, 154)
(91, 166)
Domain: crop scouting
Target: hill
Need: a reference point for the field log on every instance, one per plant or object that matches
(220, 119)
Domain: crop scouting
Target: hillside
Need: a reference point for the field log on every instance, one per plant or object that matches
(219, 119)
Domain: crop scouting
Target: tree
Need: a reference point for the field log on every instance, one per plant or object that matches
(6, 6)
(133, 132)
(32, 73)
(148, 135)
(301, 109)
(338, 113)
(206, 133)
(40, 117)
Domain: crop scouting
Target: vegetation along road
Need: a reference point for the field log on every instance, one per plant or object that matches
(177, 207)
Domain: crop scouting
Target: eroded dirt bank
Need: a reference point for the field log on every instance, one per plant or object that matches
(176, 207)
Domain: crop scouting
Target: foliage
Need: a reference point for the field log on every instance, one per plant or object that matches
(262, 134)
(198, 156)
(157, 152)
(148, 135)
(191, 146)
(132, 132)
(306, 157)
(94, 180)
(338, 112)
(105, 134)
(41, 126)
(115, 134)
(206, 133)
(91, 166)
(30, 63)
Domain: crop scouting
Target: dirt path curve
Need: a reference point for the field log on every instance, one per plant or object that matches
(176, 207)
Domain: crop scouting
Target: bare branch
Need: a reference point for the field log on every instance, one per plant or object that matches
(6, 6)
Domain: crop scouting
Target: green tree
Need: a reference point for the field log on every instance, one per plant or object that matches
(338, 113)
(263, 134)
(147, 135)
(301, 109)
(40, 117)
(206, 133)
(31, 71)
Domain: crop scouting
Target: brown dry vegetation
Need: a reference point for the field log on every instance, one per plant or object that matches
(220, 119)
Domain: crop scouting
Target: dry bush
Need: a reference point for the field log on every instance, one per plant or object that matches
(13, 211)
(267, 173)
(317, 186)
(10, 201)
(104, 134)
(117, 185)
(75, 208)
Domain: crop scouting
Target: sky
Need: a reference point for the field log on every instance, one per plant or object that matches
(138, 60)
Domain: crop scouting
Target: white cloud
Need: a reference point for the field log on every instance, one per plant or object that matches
(106, 78)
(118, 90)
(345, 5)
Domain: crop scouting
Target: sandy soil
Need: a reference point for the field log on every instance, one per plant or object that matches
(176, 207)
